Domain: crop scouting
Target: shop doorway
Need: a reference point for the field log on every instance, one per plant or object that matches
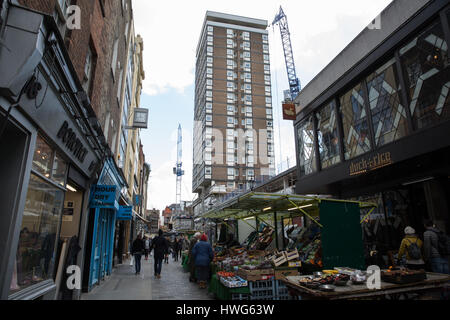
(14, 146)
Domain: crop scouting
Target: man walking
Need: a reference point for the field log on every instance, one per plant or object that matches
(191, 261)
(161, 249)
(436, 248)
(137, 249)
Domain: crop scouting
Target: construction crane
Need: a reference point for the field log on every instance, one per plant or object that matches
(294, 82)
(178, 169)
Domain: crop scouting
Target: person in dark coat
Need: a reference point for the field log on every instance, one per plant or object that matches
(137, 249)
(191, 262)
(203, 255)
(161, 247)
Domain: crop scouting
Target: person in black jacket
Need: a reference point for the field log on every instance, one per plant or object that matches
(161, 247)
(137, 250)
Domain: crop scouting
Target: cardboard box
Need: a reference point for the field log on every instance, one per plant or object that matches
(294, 264)
(255, 275)
(282, 273)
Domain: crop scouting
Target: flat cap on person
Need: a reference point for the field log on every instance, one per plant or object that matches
(409, 230)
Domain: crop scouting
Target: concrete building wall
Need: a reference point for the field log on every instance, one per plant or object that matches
(390, 19)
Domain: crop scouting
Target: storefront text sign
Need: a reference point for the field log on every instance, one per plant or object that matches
(370, 163)
(125, 213)
(103, 196)
(69, 138)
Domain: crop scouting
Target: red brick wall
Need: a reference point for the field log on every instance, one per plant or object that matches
(99, 32)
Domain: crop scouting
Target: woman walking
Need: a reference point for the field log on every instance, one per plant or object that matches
(203, 255)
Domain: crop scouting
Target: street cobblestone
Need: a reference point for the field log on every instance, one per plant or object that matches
(124, 284)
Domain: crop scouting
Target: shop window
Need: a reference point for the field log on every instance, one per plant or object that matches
(427, 72)
(307, 152)
(355, 123)
(43, 158)
(35, 257)
(388, 114)
(327, 133)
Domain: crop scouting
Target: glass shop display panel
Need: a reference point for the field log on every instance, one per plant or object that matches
(35, 257)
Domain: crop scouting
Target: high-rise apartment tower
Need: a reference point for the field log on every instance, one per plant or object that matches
(233, 123)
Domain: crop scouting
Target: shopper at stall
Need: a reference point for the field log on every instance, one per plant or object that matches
(137, 249)
(161, 249)
(412, 247)
(202, 254)
(169, 250)
(147, 247)
(435, 248)
(191, 262)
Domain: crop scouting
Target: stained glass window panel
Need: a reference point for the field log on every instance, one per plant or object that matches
(307, 152)
(426, 65)
(327, 134)
(355, 123)
(388, 114)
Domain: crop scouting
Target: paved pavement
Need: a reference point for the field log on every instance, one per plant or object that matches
(124, 284)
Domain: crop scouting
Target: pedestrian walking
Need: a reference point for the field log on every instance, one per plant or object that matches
(203, 255)
(190, 261)
(436, 248)
(137, 249)
(412, 247)
(147, 247)
(169, 250)
(180, 246)
(161, 250)
(175, 249)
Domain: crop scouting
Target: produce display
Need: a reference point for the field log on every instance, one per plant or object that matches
(231, 280)
(403, 275)
(260, 240)
(307, 241)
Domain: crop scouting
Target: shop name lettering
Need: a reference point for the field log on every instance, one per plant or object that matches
(72, 142)
(372, 163)
(103, 193)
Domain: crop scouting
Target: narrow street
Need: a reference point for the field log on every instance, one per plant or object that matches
(123, 284)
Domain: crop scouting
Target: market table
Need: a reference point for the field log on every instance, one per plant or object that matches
(394, 291)
(224, 293)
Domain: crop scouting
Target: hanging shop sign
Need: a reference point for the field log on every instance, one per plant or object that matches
(289, 111)
(370, 163)
(125, 213)
(137, 199)
(103, 196)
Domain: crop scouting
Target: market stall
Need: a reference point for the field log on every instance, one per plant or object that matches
(330, 237)
(352, 284)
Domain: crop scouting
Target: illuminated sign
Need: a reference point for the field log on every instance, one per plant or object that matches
(370, 163)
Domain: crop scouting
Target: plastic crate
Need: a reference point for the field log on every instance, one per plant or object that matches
(281, 291)
(262, 289)
(240, 296)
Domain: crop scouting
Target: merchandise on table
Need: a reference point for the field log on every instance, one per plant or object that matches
(403, 276)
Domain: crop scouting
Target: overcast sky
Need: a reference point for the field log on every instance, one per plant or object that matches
(319, 29)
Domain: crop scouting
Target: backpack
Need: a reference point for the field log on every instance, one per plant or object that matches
(414, 251)
(443, 242)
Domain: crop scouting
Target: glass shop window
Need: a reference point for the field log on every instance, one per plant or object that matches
(427, 72)
(327, 133)
(307, 152)
(355, 123)
(36, 252)
(388, 114)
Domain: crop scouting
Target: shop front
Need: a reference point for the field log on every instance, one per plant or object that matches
(48, 162)
(104, 207)
(380, 131)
